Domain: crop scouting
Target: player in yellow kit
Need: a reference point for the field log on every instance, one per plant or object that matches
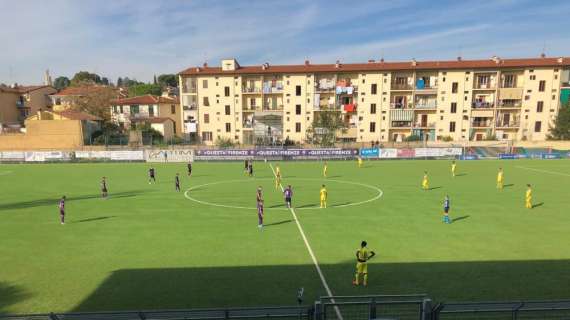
(277, 177)
(453, 168)
(425, 181)
(323, 195)
(325, 168)
(359, 162)
(362, 257)
(500, 179)
(528, 197)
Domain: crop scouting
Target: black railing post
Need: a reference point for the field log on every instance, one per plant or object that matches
(372, 309)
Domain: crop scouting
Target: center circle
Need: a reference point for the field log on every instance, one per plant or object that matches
(378, 193)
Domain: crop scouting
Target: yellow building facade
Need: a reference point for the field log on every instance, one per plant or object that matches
(460, 100)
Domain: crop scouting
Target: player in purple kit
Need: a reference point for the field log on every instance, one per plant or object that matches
(177, 182)
(259, 199)
(61, 207)
(288, 194)
(189, 168)
(104, 192)
(151, 175)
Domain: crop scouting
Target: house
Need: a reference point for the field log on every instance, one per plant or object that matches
(17, 102)
(48, 129)
(153, 109)
(163, 125)
(70, 96)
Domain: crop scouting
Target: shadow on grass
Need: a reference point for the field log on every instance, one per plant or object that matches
(508, 185)
(255, 285)
(94, 219)
(540, 204)
(9, 295)
(460, 218)
(309, 205)
(278, 223)
(54, 201)
(461, 174)
(434, 188)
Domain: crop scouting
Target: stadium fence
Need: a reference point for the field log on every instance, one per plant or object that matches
(379, 307)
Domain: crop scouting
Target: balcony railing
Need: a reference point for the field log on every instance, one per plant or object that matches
(482, 105)
(272, 108)
(481, 124)
(485, 85)
(190, 107)
(189, 88)
(429, 125)
(427, 105)
(400, 86)
(514, 124)
(251, 90)
(400, 105)
(401, 124)
(249, 108)
(517, 104)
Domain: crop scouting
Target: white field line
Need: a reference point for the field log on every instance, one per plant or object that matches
(311, 253)
(544, 171)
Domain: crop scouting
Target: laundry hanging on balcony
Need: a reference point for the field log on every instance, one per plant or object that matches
(351, 107)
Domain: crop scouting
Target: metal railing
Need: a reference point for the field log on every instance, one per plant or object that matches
(503, 310)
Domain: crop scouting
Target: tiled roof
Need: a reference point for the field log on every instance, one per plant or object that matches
(77, 115)
(80, 91)
(386, 66)
(146, 99)
(24, 89)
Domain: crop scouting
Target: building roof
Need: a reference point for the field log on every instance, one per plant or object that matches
(24, 89)
(146, 99)
(77, 115)
(494, 63)
(152, 120)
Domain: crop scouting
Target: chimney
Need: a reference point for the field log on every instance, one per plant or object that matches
(543, 55)
(337, 64)
(205, 65)
(459, 58)
(414, 62)
(197, 69)
(560, 60)
(496, 59)
(307, 62)
(371, 61)
(382, 60)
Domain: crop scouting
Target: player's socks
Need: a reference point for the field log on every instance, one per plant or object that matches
(365, 280)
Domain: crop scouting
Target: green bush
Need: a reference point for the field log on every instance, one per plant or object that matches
(412, 138)
(225, 143)
(446, 138)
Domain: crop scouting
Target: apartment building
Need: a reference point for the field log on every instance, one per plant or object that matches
(155, 110)
(18, 102)
(460, 100)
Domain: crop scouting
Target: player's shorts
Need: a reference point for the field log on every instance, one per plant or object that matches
(362, 267)
(446, 209)
(288, 200)
(104, 190)
(62, 212)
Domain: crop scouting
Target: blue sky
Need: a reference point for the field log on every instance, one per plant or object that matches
(141, 38)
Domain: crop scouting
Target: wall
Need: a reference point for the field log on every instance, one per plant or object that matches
(8, 110)
(62, 134)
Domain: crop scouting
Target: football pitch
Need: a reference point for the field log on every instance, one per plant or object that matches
(150, 247)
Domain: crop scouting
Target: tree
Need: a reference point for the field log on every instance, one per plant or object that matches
(325, 127)
(96, 101)
(154, 80)
(169, 80)
(561, 128)
(85, 78)
(61, 83)
(105, 81)
(142, 89)
(119, 82)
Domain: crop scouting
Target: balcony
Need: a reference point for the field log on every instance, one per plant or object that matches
(189, 86)
(485, 81)
(252, 90)
(426, 83)
(401, 124)
(400, 86)
(509, 104)
(424, 125)
(191, 107)
(325, 85)
(270, 87)
(430, 105)
(278, 107)
(249, 108)
(481, 124)
(482, 105)
(508, 125)
(400, 105)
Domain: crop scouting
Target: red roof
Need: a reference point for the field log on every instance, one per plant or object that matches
(387, 66)
(77, 115)
(24, 89)
(146, 99)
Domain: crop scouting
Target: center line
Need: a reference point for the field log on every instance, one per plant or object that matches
(311, 253)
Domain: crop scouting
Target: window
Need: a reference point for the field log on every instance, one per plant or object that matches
(298, 91)
(297, 126)
(454, 107)
(226, 91)
(537, 126)
(172, 109)
(539, 106)
(452, 126)
(373, 108)
(205, 84)
(135, 109)
(228, 111)
(372, 126)
(509, 81)
(533, 77)
(151, 111)
(298, 109)
(206, 136)
(206, 118)
(373, 88)
(454, 87)
(541, 85)
(228, 127)
(206, 101)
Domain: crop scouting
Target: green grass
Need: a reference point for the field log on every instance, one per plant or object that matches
(148, 247)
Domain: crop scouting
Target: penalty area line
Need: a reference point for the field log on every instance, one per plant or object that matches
(311, 253)
(544, 171)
